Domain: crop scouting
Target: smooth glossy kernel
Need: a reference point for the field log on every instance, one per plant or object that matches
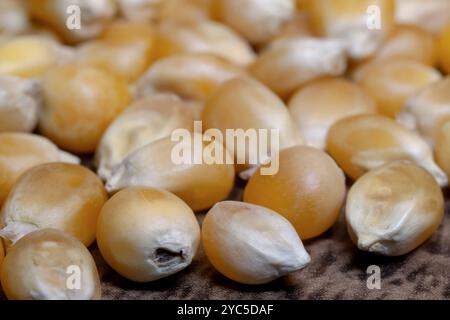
(146, 234)
(192, 76)
(308, 190)
(251, 244)
(392, 83)
(199, 185)
(61, 196)
(428, 110)
(41, 264)
(244, 103)
(202, 37)
(394, 209)
(20, 152)
(408, 42)
(125, 50)
(290, 63)
(365, 142)
(317, 106)
(144, 121)
(31, 56)
(13, 17)
(79, 104)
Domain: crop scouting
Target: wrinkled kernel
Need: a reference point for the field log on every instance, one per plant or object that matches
(20, 152)
(308, 190)
(244, 103)
(256, 20)
(146, 234)
(392, 83)
(20, 103)
(317, 106)
(428, 110)
(80, 103)
(193, 76)
(144, 121)
(202, 37)
(61, 196)
(347, 20)
(290, 63)
(251, 244)
(394, 209)
(125, 50)
(362, 143)
(40, 265)
(199, 185)
(95, 16)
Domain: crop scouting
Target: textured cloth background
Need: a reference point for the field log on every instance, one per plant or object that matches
(337, 271)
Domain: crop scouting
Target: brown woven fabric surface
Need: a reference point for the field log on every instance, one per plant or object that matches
(337, 271)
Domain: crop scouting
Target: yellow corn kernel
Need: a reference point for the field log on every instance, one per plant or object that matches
(244, 103)
(199, 185)
(391, 83)
(428, 110)
(202, 37)
(365, 142)
(146, 234)
(251, 244)
(442, 147)
(80, 103)
(410, 43)
(192, 76)
(444, 49)
(31, 56)
(62, 196)
(298, 26)
(94, 16)
(308, 190)
(394, 209)
(22, 151)
(42, 264)
(428, 15)
(354, 22)
(144, 121)
(318, 105)
(125, 50)
(256, 20)
(288, 64)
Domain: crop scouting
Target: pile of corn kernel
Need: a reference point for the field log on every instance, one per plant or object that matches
(355, 88)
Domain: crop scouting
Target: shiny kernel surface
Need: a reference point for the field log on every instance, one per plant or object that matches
(251, 244)
(318, 105)
(308, 190)
(394, 209)
(442, 148)
(36, 268)
(80, 103)
(362, 143)
(61, 196)
(146, 234)
(392, 83)
(20, 152)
